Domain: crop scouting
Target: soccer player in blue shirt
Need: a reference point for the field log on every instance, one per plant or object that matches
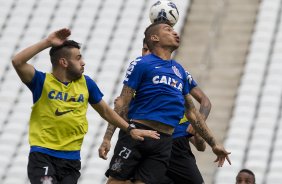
(161, 89)
(182, 165)
(58, 119)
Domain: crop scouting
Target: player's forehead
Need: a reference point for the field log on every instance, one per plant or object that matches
(165, 26)
(244, 175)
(74, 52)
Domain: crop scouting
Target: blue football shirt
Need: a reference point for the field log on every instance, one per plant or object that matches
(180, 130)
(160, 86)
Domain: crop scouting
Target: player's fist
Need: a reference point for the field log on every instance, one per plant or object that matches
(104, 149)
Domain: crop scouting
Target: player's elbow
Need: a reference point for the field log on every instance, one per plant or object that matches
(206, 103)
(202, 148)
(16, 62)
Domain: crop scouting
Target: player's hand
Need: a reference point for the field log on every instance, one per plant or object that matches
(139, 134)
(58, 37)
(104, 149)
(222, 154)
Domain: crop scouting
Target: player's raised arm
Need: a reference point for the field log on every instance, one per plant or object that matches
(196, 139)
(25, 70)
(205, 104)
(198, 123)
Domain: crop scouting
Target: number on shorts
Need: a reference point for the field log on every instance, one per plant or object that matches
(46, 170)
(125, 153)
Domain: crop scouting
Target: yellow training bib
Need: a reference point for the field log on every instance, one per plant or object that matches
(58, 119)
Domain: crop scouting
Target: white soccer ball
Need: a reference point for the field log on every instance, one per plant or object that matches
(164, 10)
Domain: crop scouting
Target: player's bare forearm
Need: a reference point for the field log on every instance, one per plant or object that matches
(109, 132)
(120, 107)
(19, 61)
(111, 128)
(121, 110)
(26, 54)
(122, 102)
(202, 129)
(54, 39)
(198, 142)
(205, 109)
(197, 121)
(109, 115)
(126, 95)
(205, 104)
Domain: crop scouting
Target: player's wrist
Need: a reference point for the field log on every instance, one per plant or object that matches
(130, 127)
(106, 139)
(215, 146)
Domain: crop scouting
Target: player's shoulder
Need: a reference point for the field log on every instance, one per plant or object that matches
(87, 78)
(176, 63)
(143, 60)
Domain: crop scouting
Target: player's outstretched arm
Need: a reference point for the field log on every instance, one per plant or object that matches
(205, 108)
(25, 70)
(106, 143)
(120, 107)
(196, 140)
(201, 97)
(112, 117)
(200, 126)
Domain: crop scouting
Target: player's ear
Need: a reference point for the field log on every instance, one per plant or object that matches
(155, 38)
(63, 62)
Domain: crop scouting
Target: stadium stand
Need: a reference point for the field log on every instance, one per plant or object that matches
(111, 33)
(255, 123)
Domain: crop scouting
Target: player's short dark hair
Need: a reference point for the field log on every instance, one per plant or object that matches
(249, 172)
(57, 52)
(144, 41)
(151, 30)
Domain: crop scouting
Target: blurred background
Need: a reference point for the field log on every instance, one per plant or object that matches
(232, 48)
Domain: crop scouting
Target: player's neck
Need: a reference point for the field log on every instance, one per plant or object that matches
(60, 76)
(165, 54)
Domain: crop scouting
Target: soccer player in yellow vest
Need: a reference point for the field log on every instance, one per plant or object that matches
(58, 119)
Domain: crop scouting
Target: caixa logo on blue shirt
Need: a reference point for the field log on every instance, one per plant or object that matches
(168, 81)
